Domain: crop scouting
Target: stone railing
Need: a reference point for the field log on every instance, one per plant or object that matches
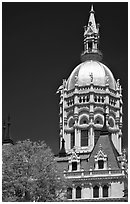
(92, 173)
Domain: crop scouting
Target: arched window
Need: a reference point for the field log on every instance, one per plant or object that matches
(71, 122)
(111, 122)
(100, 164)
(98, 120)
(84, 120)
(84, 138)
(74, 166)
(72, 140)
(90, 45)
(105, 191)
(69, 193)
(78, 192)
(96, 192)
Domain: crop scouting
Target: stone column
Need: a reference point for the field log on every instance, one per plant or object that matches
(107, 99)
(109, 191)
(82, 191)
(75, 133)
(100, 191)
(68, 139)
(73, 192)
(105, 163)
(96, 164)
(91, 190)
(91, 135)
(70, 166)
(87, 45)
(78, 165)
(79, 136)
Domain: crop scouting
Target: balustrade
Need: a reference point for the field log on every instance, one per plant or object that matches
(92, 172)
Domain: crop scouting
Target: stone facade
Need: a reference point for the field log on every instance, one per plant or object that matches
(91, 153)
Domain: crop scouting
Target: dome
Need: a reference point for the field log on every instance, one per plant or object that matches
(99, 72)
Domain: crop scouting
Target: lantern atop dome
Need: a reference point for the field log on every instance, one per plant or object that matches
(91, 40)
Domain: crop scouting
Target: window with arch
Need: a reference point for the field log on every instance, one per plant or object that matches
(111, 122)
(72, 139)
(69, 193)
(84, 138)
(100, 164)
(84, 120)
(90, 45)
(96, 192)
(71, 122)
(78, 192)
(98, 120)
(105, 191)
(74, 166)
(95, 98)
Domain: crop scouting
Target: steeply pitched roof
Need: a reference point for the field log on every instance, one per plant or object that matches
(108, 149)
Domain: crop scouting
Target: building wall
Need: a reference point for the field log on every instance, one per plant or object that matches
(117, 189)
(86, 192)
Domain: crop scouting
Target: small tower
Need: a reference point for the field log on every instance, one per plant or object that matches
(62, 152)
(6, 135)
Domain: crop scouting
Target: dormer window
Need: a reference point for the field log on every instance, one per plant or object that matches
(100, 159)
(74, 166)
(100, 164)
(74, 161)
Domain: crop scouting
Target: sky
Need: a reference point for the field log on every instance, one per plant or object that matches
(41, 45)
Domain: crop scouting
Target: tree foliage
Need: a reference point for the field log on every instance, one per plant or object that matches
(30, 173)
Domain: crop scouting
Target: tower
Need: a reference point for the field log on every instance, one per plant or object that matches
(91, 126)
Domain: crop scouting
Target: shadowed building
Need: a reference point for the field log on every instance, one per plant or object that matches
(91, 153)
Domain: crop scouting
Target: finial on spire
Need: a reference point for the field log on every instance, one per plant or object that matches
(92, 10)
(6, 136)
(8, 123)
(4, 128)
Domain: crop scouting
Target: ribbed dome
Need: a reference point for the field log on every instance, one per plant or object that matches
(98, 70)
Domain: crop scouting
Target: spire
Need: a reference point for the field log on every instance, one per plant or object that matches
(6, 137)
(92, 20)
(62, 152)
(4, 128)
(92, 10)
(8, 123)
(91, 40)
